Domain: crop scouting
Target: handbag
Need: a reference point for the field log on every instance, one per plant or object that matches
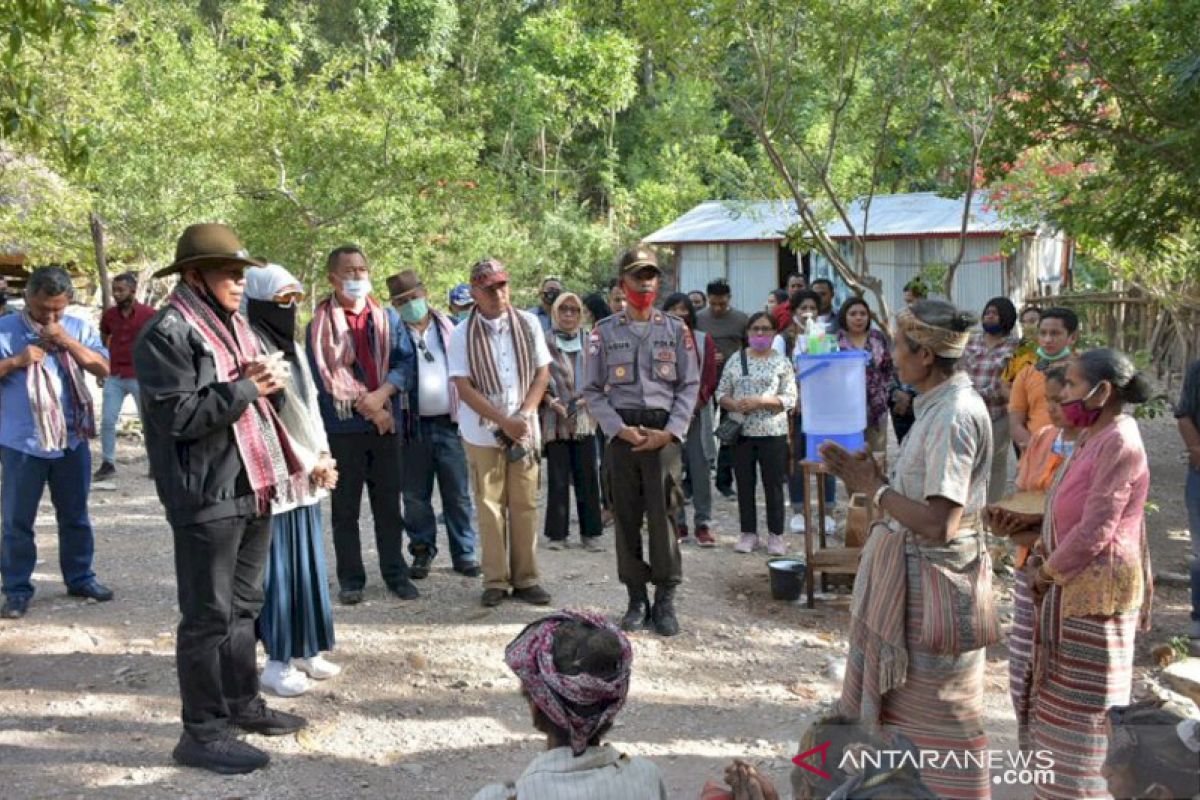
(730, 429)
(958, 611)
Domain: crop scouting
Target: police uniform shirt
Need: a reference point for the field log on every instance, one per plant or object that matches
(650, 368)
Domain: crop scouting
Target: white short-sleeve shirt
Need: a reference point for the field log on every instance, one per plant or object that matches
(470, 426)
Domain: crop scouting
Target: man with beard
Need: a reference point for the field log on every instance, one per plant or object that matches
(119, 328)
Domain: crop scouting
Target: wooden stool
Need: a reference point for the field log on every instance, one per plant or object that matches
(819, 556)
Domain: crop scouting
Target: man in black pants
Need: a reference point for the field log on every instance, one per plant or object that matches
(205, 431)
(359, 375)
(726, 325)
(643, 377)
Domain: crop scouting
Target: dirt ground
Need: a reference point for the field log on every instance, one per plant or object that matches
(426, 706)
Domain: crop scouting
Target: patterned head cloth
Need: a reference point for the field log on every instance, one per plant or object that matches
(579, 704)
(943, 343)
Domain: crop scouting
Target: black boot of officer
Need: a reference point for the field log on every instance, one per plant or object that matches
(637, 616)
(663, 613)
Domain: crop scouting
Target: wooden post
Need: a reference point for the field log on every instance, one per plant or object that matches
(97, 226)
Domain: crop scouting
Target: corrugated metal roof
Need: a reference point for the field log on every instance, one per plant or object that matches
(892, 215)
(729, 221)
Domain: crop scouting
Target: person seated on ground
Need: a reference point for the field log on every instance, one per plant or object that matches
(860, 765)
(1152, 752)
(574, 668)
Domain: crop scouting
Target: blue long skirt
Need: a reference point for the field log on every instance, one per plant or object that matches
(296, 619)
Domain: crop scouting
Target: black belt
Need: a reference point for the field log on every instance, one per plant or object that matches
(645, 417)
(437, 419)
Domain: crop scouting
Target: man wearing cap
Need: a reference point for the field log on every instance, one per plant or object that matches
(44, 431)
(642, 381)
(432, 446)
(219, 457)
(359, 377)
(461, 303)
(501, 366)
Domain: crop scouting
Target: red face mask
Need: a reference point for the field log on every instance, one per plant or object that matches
(640, 300)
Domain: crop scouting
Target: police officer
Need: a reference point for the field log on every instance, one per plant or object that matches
(641, 387)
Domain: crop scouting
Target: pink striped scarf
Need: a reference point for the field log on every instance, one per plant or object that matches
(333, 352)
(49, 416)
(274, 470)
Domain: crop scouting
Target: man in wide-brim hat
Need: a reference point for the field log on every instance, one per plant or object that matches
(219, 456)
(432, 445)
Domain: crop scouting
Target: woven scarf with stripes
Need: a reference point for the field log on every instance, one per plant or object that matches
(271, 463)
(481, 361)
(49, 417)
(333, 352)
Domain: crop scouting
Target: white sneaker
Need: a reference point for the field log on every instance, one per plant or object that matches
(317, 667)
(282, 679)
(776, 546)
(797, 524)
(830, 524)
(746, 543)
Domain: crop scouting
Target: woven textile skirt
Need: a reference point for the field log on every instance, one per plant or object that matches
(940, 705)
(1089, 670)
(296, 619)
(1020, 654)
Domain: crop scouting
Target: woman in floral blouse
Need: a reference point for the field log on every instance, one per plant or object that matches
(760, 384)
(1092, 587)
(855, 333)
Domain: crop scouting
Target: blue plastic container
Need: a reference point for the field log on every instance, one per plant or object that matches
(851, 441)
(833, 399)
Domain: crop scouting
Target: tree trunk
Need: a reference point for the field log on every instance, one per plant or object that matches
(97, 226)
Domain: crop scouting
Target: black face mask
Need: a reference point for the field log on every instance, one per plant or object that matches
(277, 324)
(3, 300)
(550, 295)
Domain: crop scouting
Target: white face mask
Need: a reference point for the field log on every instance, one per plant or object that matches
(356, 290)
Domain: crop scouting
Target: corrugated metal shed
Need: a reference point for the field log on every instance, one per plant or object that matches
(918, 214)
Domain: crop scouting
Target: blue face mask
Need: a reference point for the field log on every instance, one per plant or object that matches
(414, 310)
(355, 289)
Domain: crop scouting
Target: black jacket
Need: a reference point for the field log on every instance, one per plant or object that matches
(188, 416)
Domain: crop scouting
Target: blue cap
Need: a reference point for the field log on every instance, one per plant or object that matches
(461, 296)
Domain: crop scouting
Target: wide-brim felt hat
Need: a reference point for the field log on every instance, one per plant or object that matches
(208, 244)
(404, 285)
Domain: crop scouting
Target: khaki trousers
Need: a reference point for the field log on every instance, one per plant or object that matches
(506, 504)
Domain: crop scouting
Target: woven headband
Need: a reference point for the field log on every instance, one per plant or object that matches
(943, 343)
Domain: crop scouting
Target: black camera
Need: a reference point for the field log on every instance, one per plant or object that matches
(513, 450)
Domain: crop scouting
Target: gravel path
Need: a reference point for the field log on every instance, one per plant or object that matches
(426, 707)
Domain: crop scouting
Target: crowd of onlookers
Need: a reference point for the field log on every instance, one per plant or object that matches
(251, 419)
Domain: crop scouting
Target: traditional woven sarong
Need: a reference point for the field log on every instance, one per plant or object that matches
(940, 705)
(1088, 671)
(1020, 655)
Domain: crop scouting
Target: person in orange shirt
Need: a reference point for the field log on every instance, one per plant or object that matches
(1027, 407)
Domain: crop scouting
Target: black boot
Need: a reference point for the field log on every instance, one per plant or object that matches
(637, 616)
(663, 614)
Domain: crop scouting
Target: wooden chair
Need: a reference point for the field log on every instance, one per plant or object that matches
(819, 556)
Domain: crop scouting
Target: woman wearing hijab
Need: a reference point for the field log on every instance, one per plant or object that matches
(569, 431)
(574, 668)
(296, 623)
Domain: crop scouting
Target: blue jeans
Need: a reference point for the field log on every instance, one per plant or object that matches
(796, 482)
(115, 390)
(437, 451)
(1192, 495)
(22, 478)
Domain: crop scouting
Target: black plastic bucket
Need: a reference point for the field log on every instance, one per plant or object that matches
(787, 578)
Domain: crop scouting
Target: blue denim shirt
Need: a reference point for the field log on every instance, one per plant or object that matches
(17, 430)
(400, 372)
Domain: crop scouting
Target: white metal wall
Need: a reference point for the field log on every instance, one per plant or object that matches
(897, 261)
(751, 269)
(699, 264)
(753, 272)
